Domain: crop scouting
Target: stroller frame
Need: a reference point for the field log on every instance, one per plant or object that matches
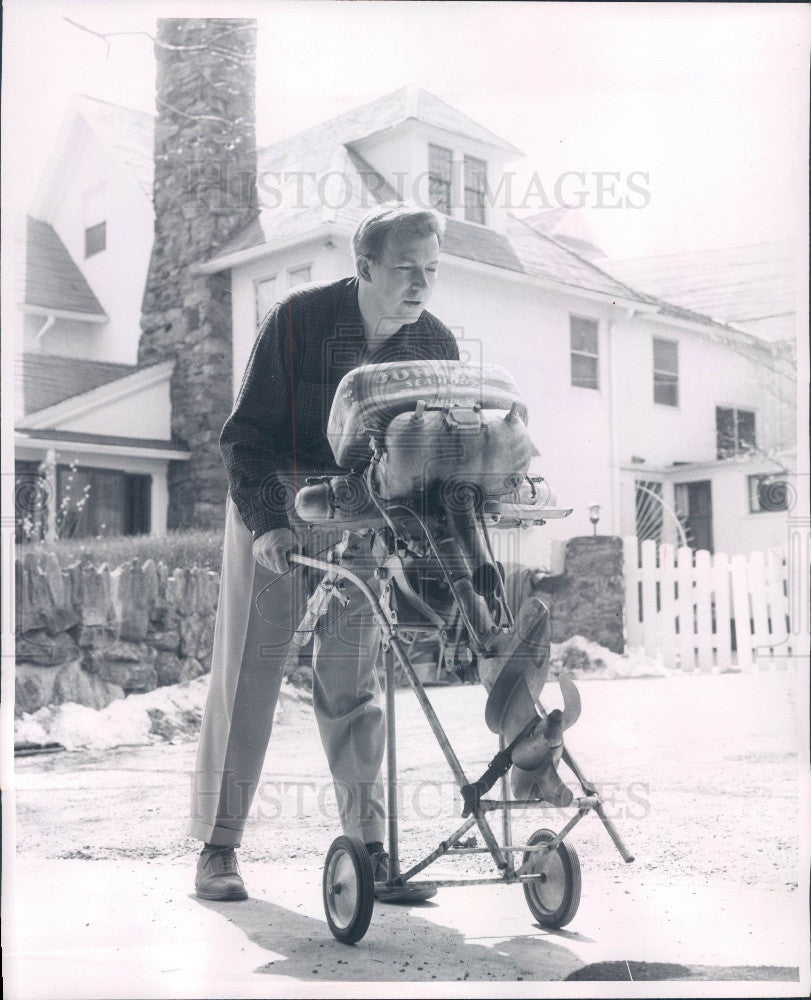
(348, 880)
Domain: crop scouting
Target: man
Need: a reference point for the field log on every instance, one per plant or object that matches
(275, 436)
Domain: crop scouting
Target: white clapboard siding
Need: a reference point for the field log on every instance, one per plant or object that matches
(684, 606)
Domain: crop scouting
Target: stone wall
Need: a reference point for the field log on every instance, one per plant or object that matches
(204, 194)
(92, 635)
(588, 598)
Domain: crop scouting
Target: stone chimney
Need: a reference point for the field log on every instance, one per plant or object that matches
(204, 193)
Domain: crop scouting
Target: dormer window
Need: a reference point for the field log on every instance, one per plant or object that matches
(475, 189)
(95, 221)
(440, 173)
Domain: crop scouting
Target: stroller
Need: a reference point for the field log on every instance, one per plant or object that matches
(438, 453)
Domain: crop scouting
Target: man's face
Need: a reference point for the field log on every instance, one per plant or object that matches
(403, 277)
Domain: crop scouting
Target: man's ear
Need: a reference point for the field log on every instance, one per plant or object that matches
(362, 264)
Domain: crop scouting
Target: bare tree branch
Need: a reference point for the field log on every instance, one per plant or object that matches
(194, 118)
(105, 36)
(236, 57)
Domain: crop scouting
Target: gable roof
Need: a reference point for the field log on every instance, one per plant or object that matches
(406, 104)
(422, 106)
(568, 228)
(324, 151)
(737, 285)
(43, 380)
(52, 278)
(127, 133)
(329, 148)
(545, 258)
(472, 242)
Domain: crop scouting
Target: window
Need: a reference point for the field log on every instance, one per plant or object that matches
(734, 431)
(299, 275)
(584, 352)
(95, 239)
(95, 221)
(475, 189)
(115, 502)
(665, 372)
(266, 295)
(440, 169)
(767, 493)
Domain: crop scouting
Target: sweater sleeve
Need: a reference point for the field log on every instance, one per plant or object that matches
(257, 440)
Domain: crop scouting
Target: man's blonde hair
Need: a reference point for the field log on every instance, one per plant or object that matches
(375, 228)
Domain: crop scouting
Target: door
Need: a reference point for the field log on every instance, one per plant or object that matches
(699, 513)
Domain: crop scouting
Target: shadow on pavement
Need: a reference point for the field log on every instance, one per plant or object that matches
(601, 972)
(399, 945)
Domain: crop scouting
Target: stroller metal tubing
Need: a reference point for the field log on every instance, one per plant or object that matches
(490, 805)
(391, 772)
(502, 855)
(445, 847)
(447, 749)
(505, 879)
(396, 647)
(506, 815)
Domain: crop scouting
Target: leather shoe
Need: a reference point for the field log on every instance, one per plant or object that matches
(407, 893)
(218, 875)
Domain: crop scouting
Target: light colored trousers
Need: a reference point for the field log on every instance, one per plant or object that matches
(251, 643)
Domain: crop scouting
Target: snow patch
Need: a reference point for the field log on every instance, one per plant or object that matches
(167, 714)
(580, 657)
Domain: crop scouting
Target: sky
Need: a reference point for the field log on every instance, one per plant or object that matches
(705, 104)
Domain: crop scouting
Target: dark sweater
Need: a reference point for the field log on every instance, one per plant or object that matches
(276, 435)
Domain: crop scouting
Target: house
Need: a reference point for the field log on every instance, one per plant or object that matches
(752, 289)
(86, 414)
(631, 398)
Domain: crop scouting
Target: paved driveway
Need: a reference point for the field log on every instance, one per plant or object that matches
(701, 773)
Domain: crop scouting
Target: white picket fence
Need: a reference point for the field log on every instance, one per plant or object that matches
(682, 606)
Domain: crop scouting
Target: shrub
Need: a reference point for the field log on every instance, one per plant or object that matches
(176, 548)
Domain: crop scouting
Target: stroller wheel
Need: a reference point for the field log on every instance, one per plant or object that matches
(349, 889)
(554, 898)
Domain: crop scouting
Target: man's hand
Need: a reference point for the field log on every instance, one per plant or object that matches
(270, 550)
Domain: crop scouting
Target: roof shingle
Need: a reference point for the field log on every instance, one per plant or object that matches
(129, 134)
(329, 148)
(737, 285)
(52, 278)
(47, 379)
(543, 257)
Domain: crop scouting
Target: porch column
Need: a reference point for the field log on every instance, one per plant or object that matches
(160, 501)
(49, 467)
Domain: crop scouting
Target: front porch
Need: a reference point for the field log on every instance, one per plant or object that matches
(79, 485)
(734, 505)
